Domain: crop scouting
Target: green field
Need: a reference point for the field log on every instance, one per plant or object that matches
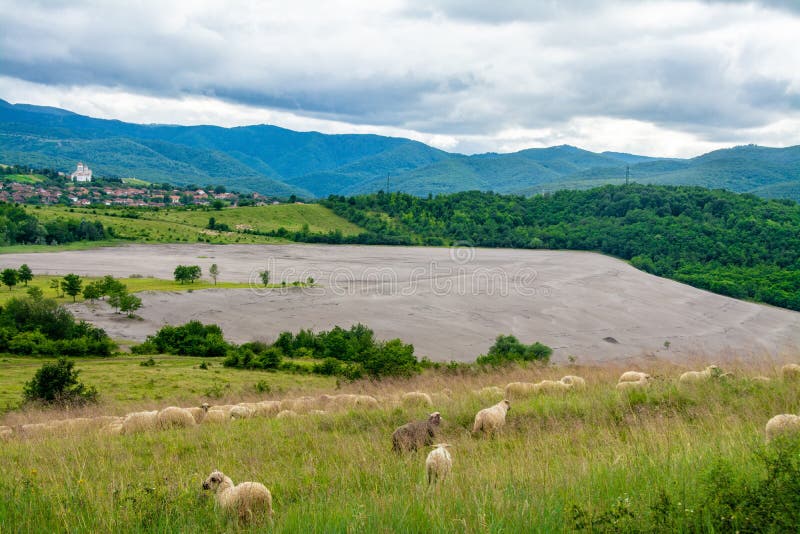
(670, 459)
(24, 178)
(178, 225)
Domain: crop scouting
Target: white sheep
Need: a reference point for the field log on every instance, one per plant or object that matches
(241, 412)
(633, 376)
(491, 419)
(551, 386)
(518, 390)
(790, 372)
(574, 381)
(199, 412)
(438, 463)
(216, 415)
(416, 398)
(690, 377)
(638, 384)
(6, 432)
(140, 422)
(286, 414)
(784, 424)
(266, 409)
(174, 417)
(247, 499)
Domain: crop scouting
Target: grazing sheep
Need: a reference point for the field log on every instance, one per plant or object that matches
(785, 424)
(518, 390)
(638, 384)
(633, 376)
(491, 419)
(6, 432)
(416, 433)
(366, 401)
(241, 412)
(140, 422)
(267, 409)
(790, 371)
(174, 417)
(286, 413)
(247, 500)
(199, 412)
(438, 463)
(216, 414)
(690, 377)
(416, 398)
(551, 386)
(574, 381)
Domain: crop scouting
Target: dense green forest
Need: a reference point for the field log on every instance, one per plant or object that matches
(737, 245)
(17, 226)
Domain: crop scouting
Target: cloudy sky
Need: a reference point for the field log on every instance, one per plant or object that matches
(666, 78)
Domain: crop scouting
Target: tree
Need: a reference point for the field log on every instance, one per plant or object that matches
(187, 273)
(110, 285)
(58, 383)
(24, 274)
(71, 285)
(9, 278)
(93, 291)
(55, 283)
(129, 304)
(264, 275)
(115, 300)
(217, 204)
(35, 293)
(214, 272)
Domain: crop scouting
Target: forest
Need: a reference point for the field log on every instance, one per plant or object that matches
(734, 244)
(17, 226)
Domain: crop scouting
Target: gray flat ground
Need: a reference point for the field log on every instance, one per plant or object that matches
(450, 303)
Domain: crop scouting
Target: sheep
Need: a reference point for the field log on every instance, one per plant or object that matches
(246, 500)
(366, 401)
(266, 408)
(516, 390)
(241, 412)
(551, 386)
(438, 463)
(174, 417)
(286, 413)
(491, 419)
(199, 412)
(416, 398)
(784, 424)
(790, 372)
(712, 371)
(638, 384)
(140, 422)
(575, 381)
(633, 376)
(217, 415)
(6, 432)
(416, 433)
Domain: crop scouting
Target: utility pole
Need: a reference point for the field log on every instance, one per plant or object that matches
(627, 174)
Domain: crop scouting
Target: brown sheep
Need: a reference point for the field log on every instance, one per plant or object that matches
(416, 434)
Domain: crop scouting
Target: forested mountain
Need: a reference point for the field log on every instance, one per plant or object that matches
(280, 162)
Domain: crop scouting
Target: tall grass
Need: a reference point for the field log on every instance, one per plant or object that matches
(595, 460)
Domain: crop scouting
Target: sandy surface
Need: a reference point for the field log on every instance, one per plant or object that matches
(450, 303)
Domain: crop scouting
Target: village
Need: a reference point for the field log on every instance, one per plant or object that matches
(79, 189)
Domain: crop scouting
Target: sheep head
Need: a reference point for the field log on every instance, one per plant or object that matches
(215, 480)
(435, 418)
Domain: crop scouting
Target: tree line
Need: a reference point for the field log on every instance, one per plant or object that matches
(19, 227)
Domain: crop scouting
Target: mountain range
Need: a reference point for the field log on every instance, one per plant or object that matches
(276, 161)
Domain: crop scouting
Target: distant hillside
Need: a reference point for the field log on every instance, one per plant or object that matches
(280, 162)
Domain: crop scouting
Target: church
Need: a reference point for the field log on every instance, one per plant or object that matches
(82, 174)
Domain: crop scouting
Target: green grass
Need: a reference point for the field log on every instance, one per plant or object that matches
(613, 456)
(24, 178)
(136, 182)
(134, 285)
(189, 226)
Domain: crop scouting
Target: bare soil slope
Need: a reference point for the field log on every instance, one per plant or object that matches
(450, 303)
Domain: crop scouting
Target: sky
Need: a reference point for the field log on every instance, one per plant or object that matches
(661, 78)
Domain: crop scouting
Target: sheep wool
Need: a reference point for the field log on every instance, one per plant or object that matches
(491, 419)
(416, 398)
(633, 376)
(416, 434)
(174, 417)
(140, 422)
(247, 500)
(689, 377)
(519, 390)
(438, 463)
(574, 381)
(782, 425)
(6, 432)
(790, 371)
(638, 384)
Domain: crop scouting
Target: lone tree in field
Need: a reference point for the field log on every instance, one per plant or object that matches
(55, 283)
(24, 274)
(71, 285)
(213, 271)
(187, 273)
(264, 275)
(9, 278)
(58, 383)
(129, 304)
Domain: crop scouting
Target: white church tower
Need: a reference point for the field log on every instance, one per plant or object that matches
(82, 174)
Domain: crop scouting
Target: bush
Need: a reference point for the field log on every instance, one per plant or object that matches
(57, 383)
(508, 349)
(190, 339)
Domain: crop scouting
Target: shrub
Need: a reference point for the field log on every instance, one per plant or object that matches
(507, 349)
(190, 339)
(57, 383)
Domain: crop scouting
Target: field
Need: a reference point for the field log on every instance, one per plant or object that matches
(593, 460)
(175, 226)
(24, 178)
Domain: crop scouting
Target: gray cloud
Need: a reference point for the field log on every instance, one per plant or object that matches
(455, 67)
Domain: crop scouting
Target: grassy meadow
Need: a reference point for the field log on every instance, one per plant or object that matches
(662, 460)
(179, 225)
